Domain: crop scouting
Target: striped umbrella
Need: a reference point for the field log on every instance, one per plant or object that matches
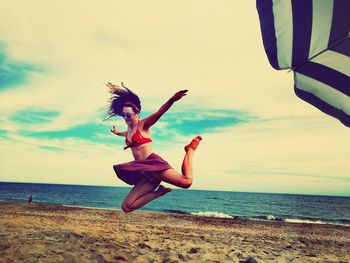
(312, 38)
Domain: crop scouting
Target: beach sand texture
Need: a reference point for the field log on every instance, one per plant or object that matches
(52, 233)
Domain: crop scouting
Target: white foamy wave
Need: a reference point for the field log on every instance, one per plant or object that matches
(300, 221)
(304, 221)
(211, 214)
(270, 217)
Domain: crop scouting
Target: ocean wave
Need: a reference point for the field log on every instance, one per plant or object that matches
(341, 222)
(307, 221)
(212, 214)
(304, 221)
(173, 211)
(89, 207)
(268, 217)
(344, 221)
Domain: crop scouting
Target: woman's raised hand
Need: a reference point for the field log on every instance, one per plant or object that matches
(115, 131)
(178, 95)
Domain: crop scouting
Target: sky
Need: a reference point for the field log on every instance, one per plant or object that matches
(257, 135)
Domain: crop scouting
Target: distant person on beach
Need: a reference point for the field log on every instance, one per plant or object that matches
(148, 169)
(30, 199)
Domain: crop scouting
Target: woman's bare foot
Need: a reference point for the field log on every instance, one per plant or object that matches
(193, 144)
(162, 190)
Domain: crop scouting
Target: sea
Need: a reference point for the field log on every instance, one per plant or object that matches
(293, 208)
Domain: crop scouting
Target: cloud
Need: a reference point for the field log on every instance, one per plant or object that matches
(13, 73)
(172, 125)
(3, 134)
(289, 155)
(34, 116)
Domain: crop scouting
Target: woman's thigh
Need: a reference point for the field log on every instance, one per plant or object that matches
(173, 177)
(140, 189)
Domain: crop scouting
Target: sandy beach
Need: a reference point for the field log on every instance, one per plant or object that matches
(53, 233)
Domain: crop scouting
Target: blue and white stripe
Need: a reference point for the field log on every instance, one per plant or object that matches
(312, 38)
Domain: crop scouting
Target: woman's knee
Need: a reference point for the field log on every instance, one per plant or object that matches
(186, 182)
(126, 208)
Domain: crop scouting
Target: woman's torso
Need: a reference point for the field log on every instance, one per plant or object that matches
(142, 151)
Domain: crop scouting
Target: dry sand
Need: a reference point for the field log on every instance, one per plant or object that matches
(51, 233)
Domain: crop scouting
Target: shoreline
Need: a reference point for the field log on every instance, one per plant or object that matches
(207, 214)
(219, 215)
(56, 233)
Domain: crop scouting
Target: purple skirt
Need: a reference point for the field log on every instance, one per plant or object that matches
(135, 171)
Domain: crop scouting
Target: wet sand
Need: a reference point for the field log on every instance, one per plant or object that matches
(53, 233)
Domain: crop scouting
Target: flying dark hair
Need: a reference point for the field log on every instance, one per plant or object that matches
(122, 97)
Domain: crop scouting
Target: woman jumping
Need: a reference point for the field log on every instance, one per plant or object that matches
(148, 169)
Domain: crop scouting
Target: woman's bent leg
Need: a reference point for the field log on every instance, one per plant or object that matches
(173, 177)
(141, 194)
(185, 179)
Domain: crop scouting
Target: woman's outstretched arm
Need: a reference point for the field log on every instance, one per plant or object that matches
(149, 121)
(118, 133)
